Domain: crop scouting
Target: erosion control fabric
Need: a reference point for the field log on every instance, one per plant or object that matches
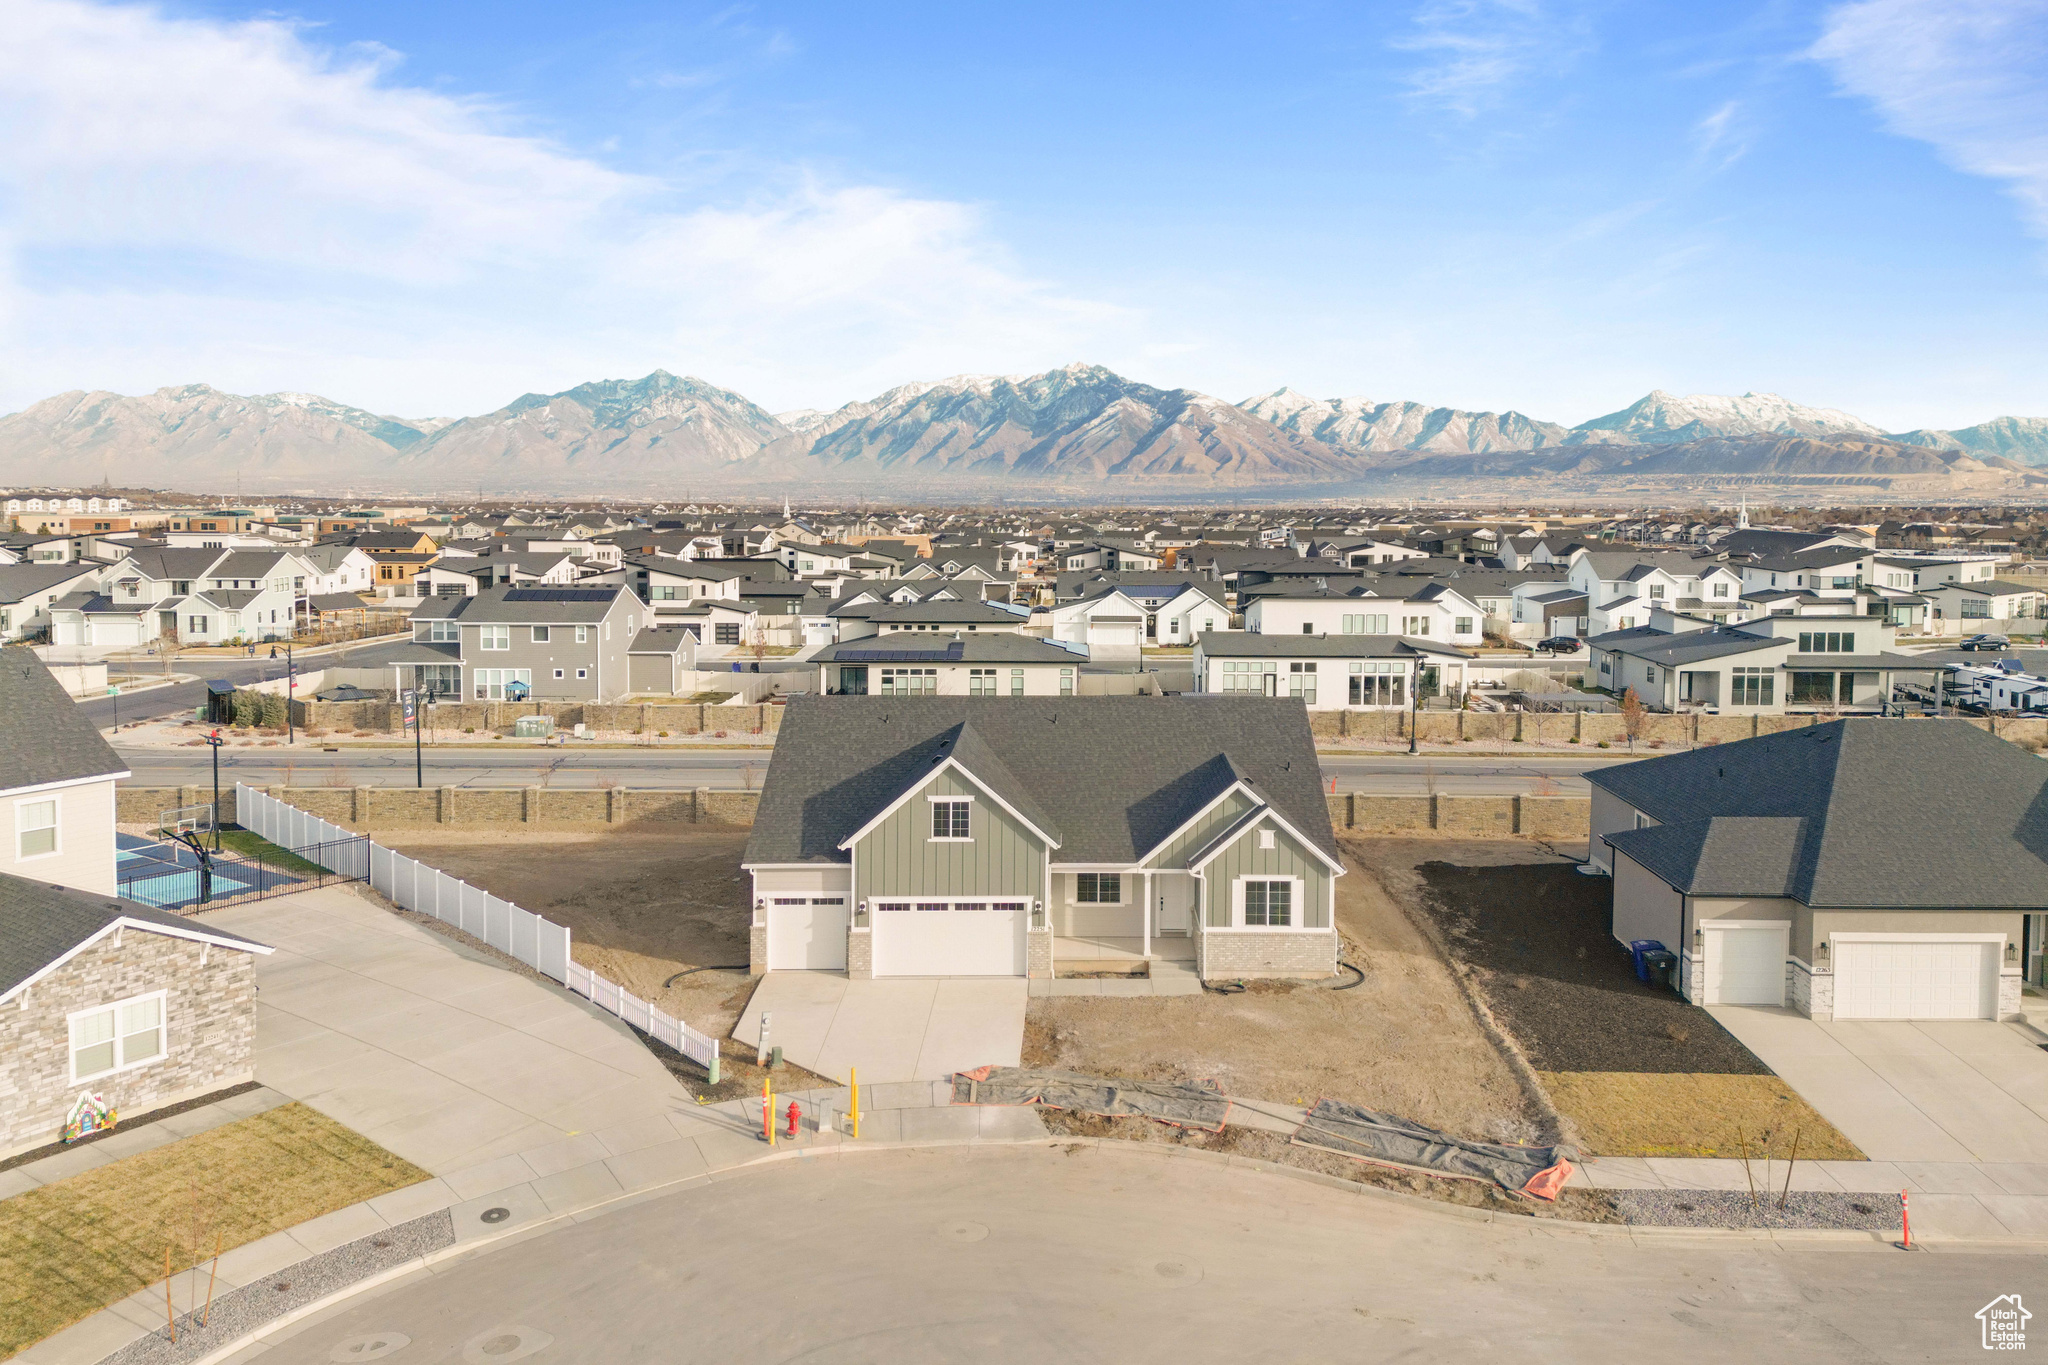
(1370, 1136)
(1185, 1106)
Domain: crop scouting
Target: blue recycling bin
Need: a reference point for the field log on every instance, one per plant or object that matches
(1637, 948)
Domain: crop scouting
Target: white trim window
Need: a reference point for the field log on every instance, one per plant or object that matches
(952, 819)
(1098, 888)
(489, 684)
(1267, 902)
(494, 638)
(447, 632)
(117, 1037)
(35, 829)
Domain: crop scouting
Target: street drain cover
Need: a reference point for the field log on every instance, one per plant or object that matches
(966, 1231)
(496, 1215)
(375, 1346)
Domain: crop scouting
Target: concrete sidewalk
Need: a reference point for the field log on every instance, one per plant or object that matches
(899, 1029)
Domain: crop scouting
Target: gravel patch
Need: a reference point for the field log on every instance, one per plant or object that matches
(1733, 1209)
(248, 1309)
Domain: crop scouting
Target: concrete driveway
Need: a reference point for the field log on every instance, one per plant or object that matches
(903, 1029)
(441, 1055)
(1967, 1091)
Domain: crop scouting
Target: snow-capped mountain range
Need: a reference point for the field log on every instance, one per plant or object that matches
(1076, 427)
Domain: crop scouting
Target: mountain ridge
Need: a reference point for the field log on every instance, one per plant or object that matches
(1081, 424)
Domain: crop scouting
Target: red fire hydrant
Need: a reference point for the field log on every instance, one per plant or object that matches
(792, 1119)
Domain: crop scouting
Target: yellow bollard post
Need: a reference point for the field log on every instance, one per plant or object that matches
(854, 1087)
(768, 1108)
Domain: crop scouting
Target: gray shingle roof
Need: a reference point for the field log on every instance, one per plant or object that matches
(1900, 813)
(40, 923)
(44, 737)
(1117, 774)
(1723, 855)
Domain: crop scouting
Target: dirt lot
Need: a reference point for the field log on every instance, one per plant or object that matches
(1638, 1070)
(640, 907)
(1403, 1042)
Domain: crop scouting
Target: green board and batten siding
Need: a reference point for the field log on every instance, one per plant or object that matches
(1196, 837)
(899, 857)
(1244, 858)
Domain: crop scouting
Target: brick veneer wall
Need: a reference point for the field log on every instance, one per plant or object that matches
(1224, 954)
(210, 1014)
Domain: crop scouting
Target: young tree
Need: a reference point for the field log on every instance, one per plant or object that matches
(1632, 715)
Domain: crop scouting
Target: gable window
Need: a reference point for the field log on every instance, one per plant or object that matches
(1720, 590)
(35, 828)
(1268, 903)
(494, 637)
(1098, 888)
(1656, 592)
(116, 1037)
(951, 819)
(1462, 625)
(540, 635)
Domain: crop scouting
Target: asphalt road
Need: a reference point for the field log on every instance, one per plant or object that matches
(187, 696)
(1100, 1255)
(309, 765)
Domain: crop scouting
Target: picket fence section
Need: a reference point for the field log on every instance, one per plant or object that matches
(539, 943)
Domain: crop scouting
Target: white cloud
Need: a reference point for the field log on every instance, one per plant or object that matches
(188, 199)
(1478, 48)
(1720, 137)
(1969, 77)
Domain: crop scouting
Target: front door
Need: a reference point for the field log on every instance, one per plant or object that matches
(1176, 904)
(1272, 684)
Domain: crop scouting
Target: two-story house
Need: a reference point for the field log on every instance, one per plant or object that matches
(549, 644)
(1435, 611)
(1015, 836)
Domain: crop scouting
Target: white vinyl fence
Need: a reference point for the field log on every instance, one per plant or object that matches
(539, 943)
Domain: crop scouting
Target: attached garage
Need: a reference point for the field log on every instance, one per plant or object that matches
(1916, 976)
(1746, 962)
(949, 938)
(807, 934)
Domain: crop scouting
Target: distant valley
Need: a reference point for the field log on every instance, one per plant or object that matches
(1074, 430)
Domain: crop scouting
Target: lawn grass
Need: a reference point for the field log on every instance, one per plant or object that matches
(1625, 1113)
(72, 1247)
(250, 844)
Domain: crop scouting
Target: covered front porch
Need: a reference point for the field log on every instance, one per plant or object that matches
(1120, 920)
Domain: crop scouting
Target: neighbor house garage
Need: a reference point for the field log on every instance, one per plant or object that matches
(1863, 869)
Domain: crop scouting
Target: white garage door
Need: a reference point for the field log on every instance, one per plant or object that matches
(1746, 965)
(1904, 979)
(807, 934)
(117, 633)
(949, 938)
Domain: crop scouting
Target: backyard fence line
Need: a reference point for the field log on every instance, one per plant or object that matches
(413, 885)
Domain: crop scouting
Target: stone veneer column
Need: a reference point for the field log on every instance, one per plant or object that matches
(860, 955)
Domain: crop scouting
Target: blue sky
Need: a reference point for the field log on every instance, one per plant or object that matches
(1487, 203)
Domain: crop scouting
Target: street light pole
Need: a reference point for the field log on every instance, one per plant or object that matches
(214, 742)
(1414, 701)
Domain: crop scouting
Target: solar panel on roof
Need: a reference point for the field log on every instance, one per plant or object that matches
(561, 594)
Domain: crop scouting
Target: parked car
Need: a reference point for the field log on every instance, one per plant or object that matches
(1976, 642)
(1558, 644)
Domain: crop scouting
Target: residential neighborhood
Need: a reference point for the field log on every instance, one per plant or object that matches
(563, 859)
